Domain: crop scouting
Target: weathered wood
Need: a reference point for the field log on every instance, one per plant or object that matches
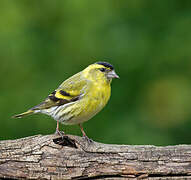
(39, 157)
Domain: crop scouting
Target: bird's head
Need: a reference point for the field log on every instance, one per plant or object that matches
(100, 71)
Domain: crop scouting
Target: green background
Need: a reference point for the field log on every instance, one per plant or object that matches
(42, 43)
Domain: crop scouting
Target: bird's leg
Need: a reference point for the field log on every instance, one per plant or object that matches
(82, 130)
(84, 134)
(57, 130)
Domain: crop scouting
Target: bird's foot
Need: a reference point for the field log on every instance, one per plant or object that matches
(60, 133)
(88, 139)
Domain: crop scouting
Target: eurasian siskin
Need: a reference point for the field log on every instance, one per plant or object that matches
(78, 98)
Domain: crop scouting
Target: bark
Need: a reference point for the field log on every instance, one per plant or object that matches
(73, 157)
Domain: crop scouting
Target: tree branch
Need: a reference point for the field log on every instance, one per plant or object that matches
(51, 157)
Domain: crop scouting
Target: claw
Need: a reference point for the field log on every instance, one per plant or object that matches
(85, 136)
(60, 133)
(88, 139)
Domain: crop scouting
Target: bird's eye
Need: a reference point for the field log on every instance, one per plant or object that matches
(102, 69)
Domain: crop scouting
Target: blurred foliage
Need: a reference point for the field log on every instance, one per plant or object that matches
(149, 42)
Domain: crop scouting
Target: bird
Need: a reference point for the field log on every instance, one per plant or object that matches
(78, 98)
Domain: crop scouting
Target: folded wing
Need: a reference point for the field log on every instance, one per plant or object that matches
(69, 91)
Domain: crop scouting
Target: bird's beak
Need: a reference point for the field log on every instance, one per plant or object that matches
(112, 74)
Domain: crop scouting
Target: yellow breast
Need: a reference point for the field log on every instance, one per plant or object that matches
(91, 104)
(100, 94)
(96, 99)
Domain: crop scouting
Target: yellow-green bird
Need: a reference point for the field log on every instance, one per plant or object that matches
(78, 98)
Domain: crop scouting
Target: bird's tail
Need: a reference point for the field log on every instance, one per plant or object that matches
(23, 114)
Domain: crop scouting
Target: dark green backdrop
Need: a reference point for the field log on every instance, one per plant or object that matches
(149, 42)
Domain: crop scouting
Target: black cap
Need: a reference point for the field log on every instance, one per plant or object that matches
(106, 64)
